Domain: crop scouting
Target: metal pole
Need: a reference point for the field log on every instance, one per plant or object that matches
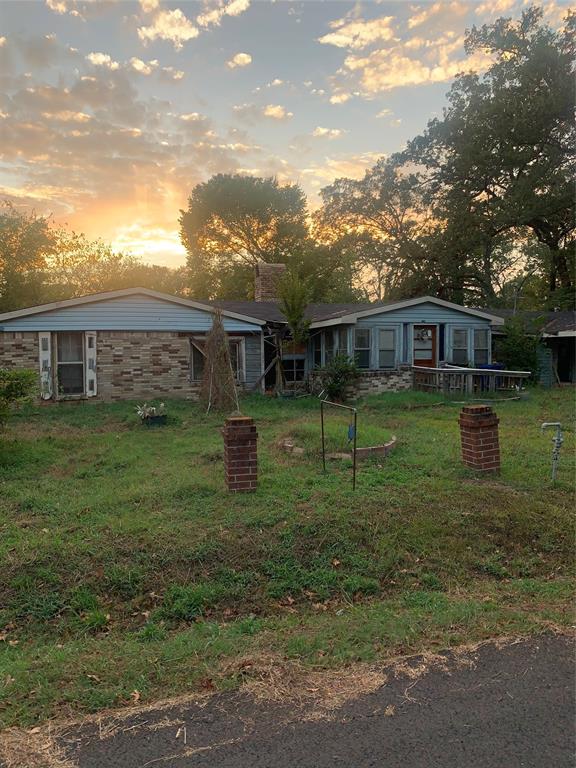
(354, 454)
(323, 448)
(557, 441)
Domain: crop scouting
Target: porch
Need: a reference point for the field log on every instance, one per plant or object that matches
(452, 379)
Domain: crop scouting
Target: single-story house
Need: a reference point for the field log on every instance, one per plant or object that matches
(137, 343)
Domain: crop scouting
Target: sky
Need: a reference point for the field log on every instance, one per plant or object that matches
(112, 110)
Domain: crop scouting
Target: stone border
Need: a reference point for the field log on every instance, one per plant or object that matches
(383, 450)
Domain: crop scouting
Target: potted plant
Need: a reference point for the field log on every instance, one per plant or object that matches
(152, 415)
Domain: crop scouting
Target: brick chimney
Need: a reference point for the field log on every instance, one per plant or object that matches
(266, 277)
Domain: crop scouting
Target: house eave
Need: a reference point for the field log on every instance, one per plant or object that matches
(97, 297)
(352, 317)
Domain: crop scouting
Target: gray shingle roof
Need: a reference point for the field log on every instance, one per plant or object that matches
(541, 320)
(270, 311)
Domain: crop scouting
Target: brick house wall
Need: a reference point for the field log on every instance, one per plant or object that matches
(376, 382)
(19, 349)
(132, 365)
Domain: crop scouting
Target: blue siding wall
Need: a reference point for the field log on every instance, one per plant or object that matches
(402, 320)
(433, 314)
(424, 313)
(253, 352)
(128, 313)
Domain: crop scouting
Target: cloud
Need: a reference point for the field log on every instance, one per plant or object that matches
(214, 16)
(143, 67)
(439, 10)
(340, 97)
(192, 117)
(173, 26)
(359, 33)
(102, 60)
(239, 60)
(67, 116)
(352, 166)
(78, 8)
(169, 73)
(383, 70)
(327, 133)
(252, 113)
(277, 112)
(148, 6)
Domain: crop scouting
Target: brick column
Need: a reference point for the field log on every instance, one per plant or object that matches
(479, 435)
(240, 454)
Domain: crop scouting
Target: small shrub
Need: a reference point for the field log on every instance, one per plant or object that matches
(16, 386)
(516, 349)
(337, 376)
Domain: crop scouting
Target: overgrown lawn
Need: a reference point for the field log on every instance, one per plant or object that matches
(125, 566)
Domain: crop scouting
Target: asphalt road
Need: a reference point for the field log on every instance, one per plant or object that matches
(504, 708)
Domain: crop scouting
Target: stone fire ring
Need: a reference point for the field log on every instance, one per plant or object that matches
(366, 453)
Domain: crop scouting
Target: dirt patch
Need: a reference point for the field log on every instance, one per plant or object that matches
(35, 748)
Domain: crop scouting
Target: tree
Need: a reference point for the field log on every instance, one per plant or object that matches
(502, 157)
(26, 243)
(234, 221)
(218, 389)
(41, 262)
(294, 298)
(517, 348)
(382, 220)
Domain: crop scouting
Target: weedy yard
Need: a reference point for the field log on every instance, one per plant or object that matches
(128, 573)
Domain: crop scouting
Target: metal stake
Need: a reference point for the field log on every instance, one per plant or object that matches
(346, 408)
(557, 441)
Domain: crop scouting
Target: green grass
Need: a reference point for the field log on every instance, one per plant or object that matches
(124, 563)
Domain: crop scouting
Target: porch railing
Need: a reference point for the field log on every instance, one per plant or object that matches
(452, 379)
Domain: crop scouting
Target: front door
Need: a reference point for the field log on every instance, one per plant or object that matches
(424, 345)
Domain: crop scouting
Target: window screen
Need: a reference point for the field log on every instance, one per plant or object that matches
(362, 347)
(341, 336)
(70, 359)
(460, 346)
(387, 348)
(481, 346)
(328, 345)
(317, 346)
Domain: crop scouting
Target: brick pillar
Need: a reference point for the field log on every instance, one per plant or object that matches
(479, 435)
(240, 454)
